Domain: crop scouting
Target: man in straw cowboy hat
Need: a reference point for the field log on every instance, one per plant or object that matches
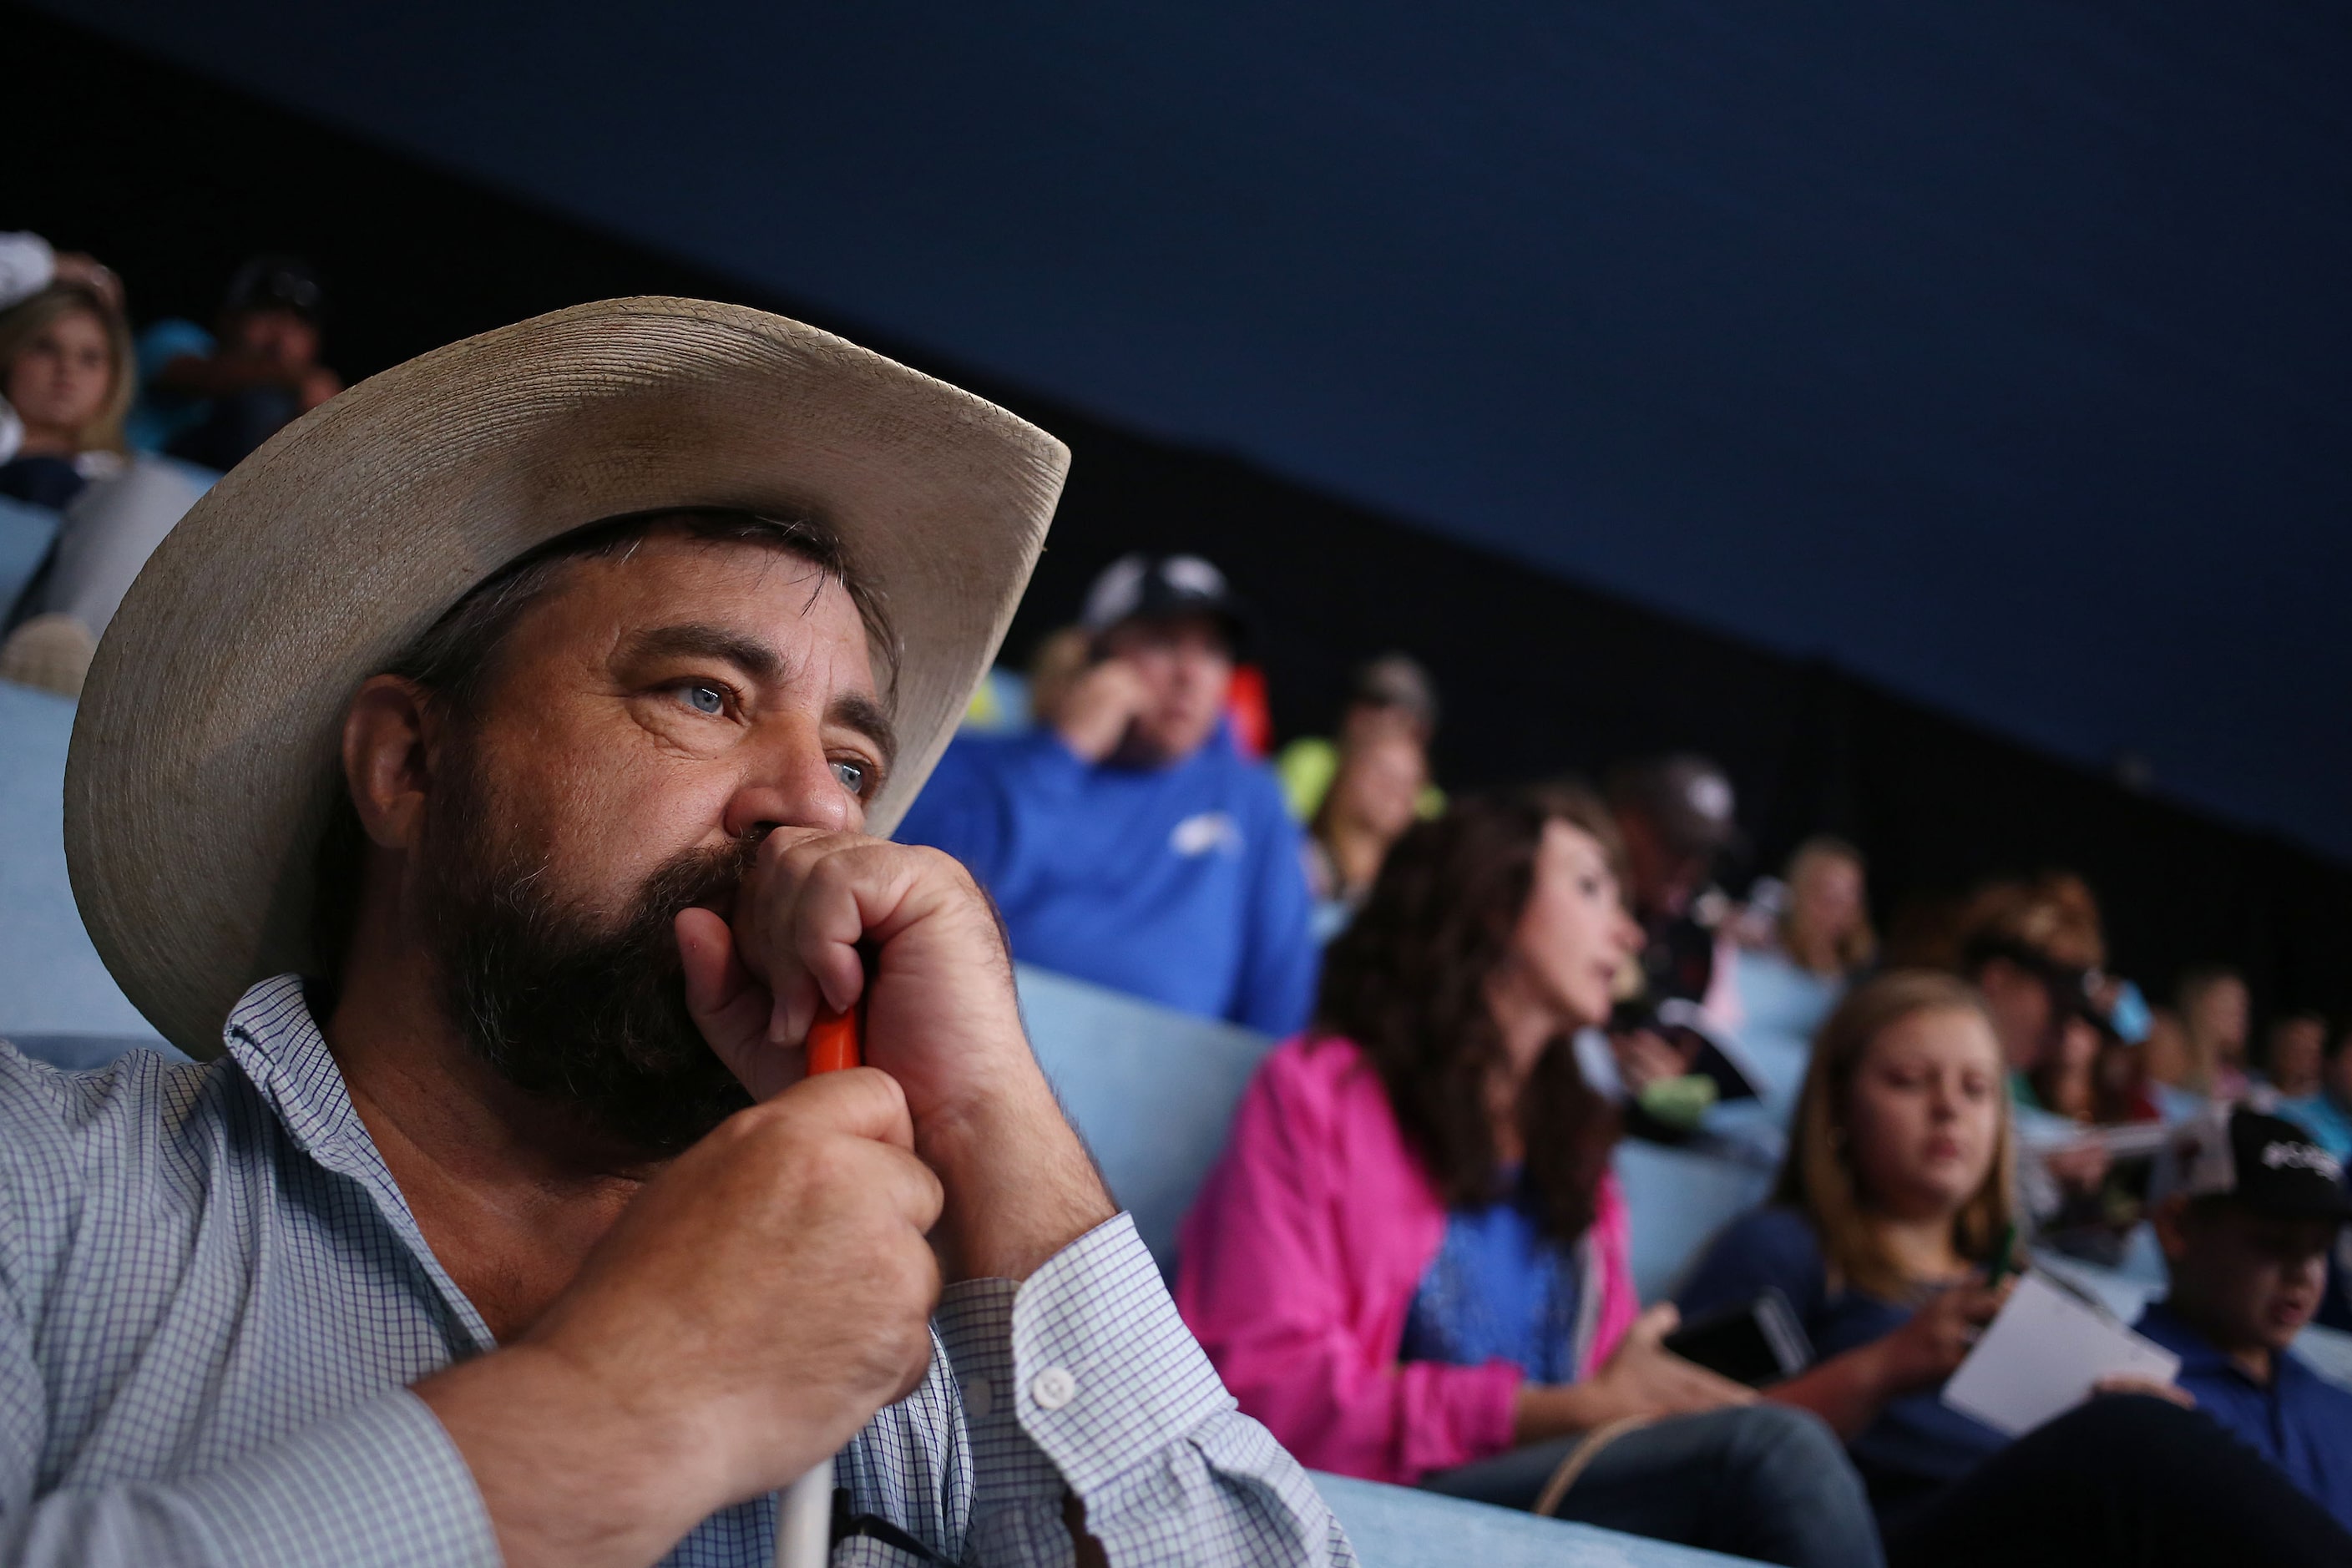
(493, 767)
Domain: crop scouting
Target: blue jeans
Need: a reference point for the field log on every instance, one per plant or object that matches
(1761, 1481)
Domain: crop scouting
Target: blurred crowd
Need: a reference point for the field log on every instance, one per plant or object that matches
(1412, 1259)
(107, 436)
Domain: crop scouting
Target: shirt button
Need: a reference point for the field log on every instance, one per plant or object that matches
(977, 1397)
(1053, 1388)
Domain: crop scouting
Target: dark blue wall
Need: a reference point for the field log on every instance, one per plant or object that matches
(1996, 349)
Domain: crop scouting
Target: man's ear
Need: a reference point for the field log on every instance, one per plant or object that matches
(389, 734)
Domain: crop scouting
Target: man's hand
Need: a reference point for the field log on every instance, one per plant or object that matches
(941, 1019)
(754, 1306)
(1101, 705)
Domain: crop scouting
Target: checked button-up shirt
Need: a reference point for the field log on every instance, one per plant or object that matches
(213, 1297)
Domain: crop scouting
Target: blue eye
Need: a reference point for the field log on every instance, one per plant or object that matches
(852, 776)
(706, 699)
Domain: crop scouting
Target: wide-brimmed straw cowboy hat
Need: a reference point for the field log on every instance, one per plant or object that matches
(206, 753)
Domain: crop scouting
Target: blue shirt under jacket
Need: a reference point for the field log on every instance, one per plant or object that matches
(1918, 1442)
(1498, 1289)
(1181, 884)
(2300, 1423)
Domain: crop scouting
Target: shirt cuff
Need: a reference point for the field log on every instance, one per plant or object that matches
(381, 1486)
(1078, 1373)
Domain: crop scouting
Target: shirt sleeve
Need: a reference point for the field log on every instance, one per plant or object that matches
(1280, 960)
(380, 1485)
(1083, 1380)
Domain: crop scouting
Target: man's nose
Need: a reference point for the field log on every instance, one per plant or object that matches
(791, 784)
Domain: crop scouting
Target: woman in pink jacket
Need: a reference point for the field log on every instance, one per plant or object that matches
(1411, 1262)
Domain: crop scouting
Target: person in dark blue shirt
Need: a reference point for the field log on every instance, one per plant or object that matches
(1126, 839)
(1895, 1195)
(1891, 1208)
(2246, 1238)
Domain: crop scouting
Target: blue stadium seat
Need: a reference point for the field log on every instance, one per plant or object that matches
(26, 535)
(1152, 1091)
(1677, 1201)
(51, 979)
(1396, 1527)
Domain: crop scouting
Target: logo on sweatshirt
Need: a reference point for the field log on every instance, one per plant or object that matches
(1204, 832)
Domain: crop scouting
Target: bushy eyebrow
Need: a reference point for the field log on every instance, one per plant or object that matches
(700, 640)
(854, 711)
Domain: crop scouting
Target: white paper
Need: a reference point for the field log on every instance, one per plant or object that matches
(2040, 1357)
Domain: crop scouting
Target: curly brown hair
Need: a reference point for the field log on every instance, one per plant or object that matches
(1407, 981)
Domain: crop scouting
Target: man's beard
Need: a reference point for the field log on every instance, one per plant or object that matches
(583, 1013)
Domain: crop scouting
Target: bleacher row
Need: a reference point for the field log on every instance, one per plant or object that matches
(1151, 1091)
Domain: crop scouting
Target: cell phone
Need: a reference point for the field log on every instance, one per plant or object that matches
(1756, 1342)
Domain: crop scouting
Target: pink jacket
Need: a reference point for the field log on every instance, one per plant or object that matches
(1301, 1255)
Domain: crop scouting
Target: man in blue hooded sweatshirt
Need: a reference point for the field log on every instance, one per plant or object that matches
(1126, 839)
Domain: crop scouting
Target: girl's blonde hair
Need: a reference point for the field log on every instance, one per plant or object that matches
(1817, 1177)
(28, 319)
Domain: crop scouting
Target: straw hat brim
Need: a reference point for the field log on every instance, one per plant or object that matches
(205, 752)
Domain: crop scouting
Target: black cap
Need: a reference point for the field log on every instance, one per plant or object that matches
(1154, 587)
(275, 283)
(2266, 1163)
(1686, 797)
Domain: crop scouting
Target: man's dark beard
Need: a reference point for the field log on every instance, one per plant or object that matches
(585, 1015)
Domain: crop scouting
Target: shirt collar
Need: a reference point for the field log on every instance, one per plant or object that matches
(2200, 1356)
(277, 1043)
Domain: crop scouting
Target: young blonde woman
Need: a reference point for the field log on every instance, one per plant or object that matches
(1825, 929)
(1411, 1262)
(66, 373)
(1888, 1213)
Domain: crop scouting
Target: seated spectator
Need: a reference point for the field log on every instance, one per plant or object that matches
(1061, 661)
(2166, 1068)
(214, 397)
(2290, 1061)
(66, 372)
(1895, 1195)
(1893, 1201)
(1824, 928)
(1372, 800)
(2246, 1238)
(1392, 694)
(1674, 817)
(2324, 1108)
(2216, 1016)
(2033, 949)
(1411, 1261)
(1127, 842)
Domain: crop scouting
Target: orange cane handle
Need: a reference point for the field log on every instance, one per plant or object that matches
(832, 1041)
